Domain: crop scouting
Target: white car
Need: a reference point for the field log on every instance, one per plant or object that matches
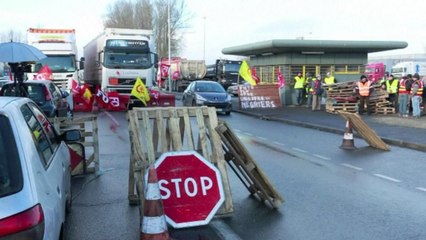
(35, 172)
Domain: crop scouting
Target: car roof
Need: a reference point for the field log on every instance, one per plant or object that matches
(5, 101)
(45, 82)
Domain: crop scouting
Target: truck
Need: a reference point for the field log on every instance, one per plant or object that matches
(408, 67)
(375, 71)
(183, 71)
(59, 45)
(226, 72)
(115, 58)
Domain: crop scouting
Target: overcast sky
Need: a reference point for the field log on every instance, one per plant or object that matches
(228, 23)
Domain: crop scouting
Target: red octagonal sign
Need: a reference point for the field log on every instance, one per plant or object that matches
(191, 188)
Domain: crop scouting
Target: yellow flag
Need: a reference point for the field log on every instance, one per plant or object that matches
(245, 72)
(139, 90)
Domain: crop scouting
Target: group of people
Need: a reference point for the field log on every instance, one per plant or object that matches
(311, 89)
(405, 94)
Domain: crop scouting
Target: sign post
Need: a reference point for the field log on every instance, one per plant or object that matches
(191, 188)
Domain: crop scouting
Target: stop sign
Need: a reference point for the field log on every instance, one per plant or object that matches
(191, 188)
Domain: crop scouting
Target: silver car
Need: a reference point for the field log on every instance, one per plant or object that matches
(35, 176)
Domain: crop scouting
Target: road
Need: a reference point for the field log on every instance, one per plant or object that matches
(330, 193)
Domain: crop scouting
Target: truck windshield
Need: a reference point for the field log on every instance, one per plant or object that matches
(370, 70)
(232, 67)
(57, 64)
(398, 70)
(127, 60)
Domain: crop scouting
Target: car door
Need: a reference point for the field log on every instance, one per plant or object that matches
(59, 102)
(53, 177)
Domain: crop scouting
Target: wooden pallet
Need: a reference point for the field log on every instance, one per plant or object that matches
(154, 131)
(246, 168)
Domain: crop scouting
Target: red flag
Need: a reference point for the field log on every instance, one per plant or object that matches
(164, 68)
(254, 75)
(75, 87)
(280, 79)
(10, 75)
(175, 75)
(44, 73)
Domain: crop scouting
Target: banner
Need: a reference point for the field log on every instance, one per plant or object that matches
(254, 75)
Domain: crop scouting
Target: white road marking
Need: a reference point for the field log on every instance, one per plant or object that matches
(351, 166)
(421, 189)
(299, 150)
(322, 157)
(262, 138)
(387, 178)
(280, 144)
(248, 134)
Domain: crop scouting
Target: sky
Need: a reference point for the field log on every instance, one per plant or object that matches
(218, 24)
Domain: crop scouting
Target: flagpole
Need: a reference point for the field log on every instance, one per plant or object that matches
(168, 37)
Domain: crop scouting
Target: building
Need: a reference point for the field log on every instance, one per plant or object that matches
(344, 59)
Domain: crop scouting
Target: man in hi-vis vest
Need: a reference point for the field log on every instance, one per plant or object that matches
(299, 85)
(364, 88)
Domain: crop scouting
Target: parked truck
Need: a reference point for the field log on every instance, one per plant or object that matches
(409, 67)
(183, 71)
(59, 45)
(224, 71)
(375, 71)
(116, 57)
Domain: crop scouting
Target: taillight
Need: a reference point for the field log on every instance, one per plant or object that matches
(29, 223)
(113, 81)
(47, 95)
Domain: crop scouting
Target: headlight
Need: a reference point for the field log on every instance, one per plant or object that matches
(199, 99)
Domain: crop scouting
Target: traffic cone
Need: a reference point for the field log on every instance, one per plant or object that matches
(348, 138)
(153, 223)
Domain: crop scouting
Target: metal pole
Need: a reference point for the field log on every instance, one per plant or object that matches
(168, 38)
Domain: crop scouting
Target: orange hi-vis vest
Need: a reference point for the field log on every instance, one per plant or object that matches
(364, 88)
(402, 89)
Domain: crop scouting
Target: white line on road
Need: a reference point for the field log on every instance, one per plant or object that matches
(262, 138)
(299, 150)
(248, 134)
(351, 166)
(421, 189)
(280, 144)
(387, 178)
(322, 157)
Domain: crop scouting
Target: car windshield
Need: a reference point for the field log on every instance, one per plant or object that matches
(10, 167)
(33, 91)
(209, 87)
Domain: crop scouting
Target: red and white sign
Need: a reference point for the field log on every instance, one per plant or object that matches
(191, 188)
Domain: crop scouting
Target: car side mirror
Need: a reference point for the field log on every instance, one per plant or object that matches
(72, 135)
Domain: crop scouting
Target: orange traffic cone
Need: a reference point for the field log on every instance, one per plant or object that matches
(348, 138)
(153, 226)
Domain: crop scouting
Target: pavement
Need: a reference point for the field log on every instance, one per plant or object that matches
(393, 130)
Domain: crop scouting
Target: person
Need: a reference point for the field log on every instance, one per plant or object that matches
(424, 95)
(408, 87)
(403, 97)
(364, 89)
(307, 94)
(416, 94)
(329, 79)
(316, 92)
(391, 86)
(299, 83)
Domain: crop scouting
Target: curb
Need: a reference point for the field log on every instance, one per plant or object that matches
(390, 141)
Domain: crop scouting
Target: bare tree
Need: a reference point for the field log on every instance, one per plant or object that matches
(151, 14)
(11, 35)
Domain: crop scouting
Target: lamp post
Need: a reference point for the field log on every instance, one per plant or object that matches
(168, 38)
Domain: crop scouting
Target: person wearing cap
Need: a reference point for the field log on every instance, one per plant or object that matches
(391, 86)
(299, 85)
(316, 92)
(416, 94)
(363, 88)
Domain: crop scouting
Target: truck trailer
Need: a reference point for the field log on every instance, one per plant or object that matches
(183, 71)
(409, 67)
(59, 45)
(116, 57)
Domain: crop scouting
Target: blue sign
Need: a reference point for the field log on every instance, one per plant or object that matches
(417, 68)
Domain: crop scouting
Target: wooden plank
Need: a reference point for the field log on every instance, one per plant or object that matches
(202, 134)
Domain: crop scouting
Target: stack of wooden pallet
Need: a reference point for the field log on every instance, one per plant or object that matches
(342, 97)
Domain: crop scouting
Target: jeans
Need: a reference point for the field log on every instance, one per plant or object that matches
(415, 100)
(299, 92)
(403, 103)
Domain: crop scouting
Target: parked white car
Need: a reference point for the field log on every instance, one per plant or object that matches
(35, 172)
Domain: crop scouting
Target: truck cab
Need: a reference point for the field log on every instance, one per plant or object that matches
(375, 71)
